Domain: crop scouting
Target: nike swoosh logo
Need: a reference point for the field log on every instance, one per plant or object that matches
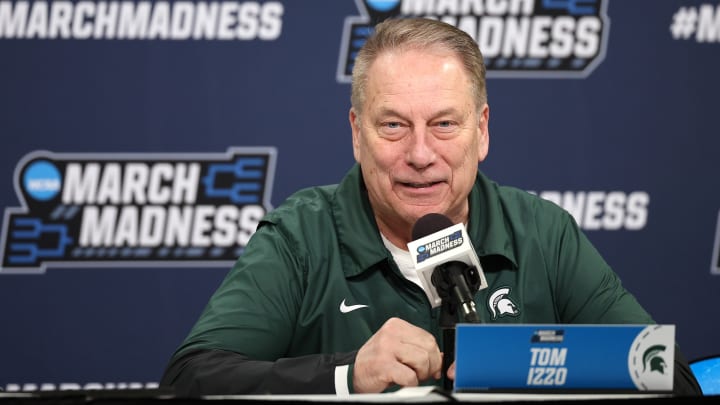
(349, 308)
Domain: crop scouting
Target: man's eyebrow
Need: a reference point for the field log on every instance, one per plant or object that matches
(386, 111)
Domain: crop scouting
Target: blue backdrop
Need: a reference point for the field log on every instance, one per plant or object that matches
(609, 108)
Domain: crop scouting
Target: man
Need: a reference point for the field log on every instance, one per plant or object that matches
(325, 300)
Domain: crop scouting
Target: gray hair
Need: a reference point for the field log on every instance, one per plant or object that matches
(418, 33)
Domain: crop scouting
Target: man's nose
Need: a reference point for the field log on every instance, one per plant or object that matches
(421, 151)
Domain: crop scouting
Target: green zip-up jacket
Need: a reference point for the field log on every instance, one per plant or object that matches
(275, 324)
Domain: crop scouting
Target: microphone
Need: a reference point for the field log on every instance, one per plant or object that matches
(447, 265)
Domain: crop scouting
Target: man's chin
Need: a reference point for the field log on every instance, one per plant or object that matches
(415, 202)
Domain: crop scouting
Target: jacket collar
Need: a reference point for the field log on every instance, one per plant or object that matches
(361, 246)
(487, 228)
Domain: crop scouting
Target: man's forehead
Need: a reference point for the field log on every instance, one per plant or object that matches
(391, 81)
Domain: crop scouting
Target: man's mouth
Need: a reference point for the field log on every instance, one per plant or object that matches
(420, 185)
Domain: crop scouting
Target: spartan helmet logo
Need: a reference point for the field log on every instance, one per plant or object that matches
(650, 358)
(501, 305)
(653, 358)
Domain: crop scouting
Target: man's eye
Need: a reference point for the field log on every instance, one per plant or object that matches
(392, 129)
(445, 124)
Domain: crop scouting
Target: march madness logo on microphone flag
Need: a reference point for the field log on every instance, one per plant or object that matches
(143, 209)
(439, 246)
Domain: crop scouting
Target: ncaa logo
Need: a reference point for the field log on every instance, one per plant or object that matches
(42, 180)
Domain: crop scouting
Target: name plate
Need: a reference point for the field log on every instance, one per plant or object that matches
(497, 357)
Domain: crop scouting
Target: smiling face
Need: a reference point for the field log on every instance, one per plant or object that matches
(419, 138)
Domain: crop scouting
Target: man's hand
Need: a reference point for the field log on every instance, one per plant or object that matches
(398, 353)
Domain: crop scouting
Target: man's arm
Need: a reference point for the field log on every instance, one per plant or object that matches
(239, 345)
(399, 353)
(245, 341)
(217, 372)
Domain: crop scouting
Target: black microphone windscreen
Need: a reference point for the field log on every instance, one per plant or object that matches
(430, 223)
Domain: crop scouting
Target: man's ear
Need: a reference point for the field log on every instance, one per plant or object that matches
(354, 119)
(483, 133)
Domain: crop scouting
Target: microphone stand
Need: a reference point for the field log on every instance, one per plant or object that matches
(448, 319)
(456, 285)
